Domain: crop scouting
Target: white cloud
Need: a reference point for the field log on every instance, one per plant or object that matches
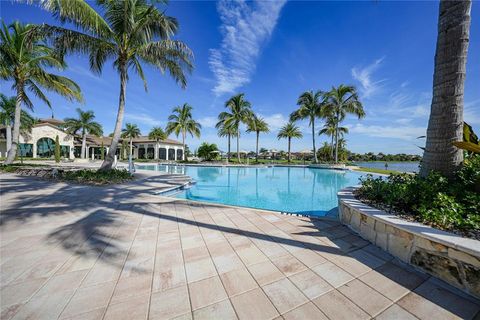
(398, 132)
(403, 120)
(143, 118)
(471, 113)
(208, 122)
(364, 76)
(245, 28)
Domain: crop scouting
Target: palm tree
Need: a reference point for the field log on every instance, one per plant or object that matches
(226, 131)
(7, 118)
(310, 107)
(130, 131)
(157, 134)
(86, 125)
(240, 112)
(329, 129)
(130, 32)
(257, 125)
(24, 59)
(445, 124)
(342, 100)
(181, 121)
(289, 131)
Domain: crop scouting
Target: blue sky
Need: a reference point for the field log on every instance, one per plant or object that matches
(273, 51)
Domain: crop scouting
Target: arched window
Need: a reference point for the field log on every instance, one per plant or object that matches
(171, 154)
(45, 148)
(179, 154)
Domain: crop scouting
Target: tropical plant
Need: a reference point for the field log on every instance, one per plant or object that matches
(289, 131)
(131, 32)
(240, 112)
(157, 134)
(258, 125)
(84, 124)
(342, 100)
(57, 149)
(181, 121)
(24, 60)
(226, 131)
(102, 152)
(208, 151)
(7, 118)
(130, 132)
(329, 129)
(324, 153)
(310, 107)
(445, 124)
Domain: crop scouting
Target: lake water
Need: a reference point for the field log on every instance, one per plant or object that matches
(397, 166)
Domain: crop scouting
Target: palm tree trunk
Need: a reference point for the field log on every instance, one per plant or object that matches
(16, 125)
(256, 153)
(131, 147)
(84, 145)
(289, 141)
(238, 145)
(108, 162)
(183, 142)
(228, 153)
(313, 139)
(9, 135)
(336, 139)
(445, 124)
(331, 149)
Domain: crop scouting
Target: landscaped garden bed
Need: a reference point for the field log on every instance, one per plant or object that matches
(83, 176)
(432, 223)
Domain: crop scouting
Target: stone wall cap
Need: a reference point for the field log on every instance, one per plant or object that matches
(449, 239)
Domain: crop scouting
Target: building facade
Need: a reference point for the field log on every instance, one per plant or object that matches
(40, 143)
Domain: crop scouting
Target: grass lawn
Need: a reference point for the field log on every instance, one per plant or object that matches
(374, 170)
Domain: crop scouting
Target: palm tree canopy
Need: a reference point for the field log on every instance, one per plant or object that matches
(157, 134)
(224, 131)
(310, 106)
(290, 130)
(343, 100)
(7, 114)
(240, 111)
(130, 131)
(24, 56)
(181, 120)
(84, 123)
(257, 124)
(130, 32)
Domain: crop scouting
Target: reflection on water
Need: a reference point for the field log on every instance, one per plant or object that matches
(286, 189)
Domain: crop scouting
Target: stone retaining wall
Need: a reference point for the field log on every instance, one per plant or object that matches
(447, 256)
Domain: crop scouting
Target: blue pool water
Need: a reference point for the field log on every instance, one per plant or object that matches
(294, 190)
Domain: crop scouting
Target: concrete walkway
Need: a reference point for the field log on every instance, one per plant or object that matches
(79, 252)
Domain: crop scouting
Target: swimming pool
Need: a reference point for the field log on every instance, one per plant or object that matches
(306, 191)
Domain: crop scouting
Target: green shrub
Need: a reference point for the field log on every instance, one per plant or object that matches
(96, 176)
(434, 200)
(57, 149)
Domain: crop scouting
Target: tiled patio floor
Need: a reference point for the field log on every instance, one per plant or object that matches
(76, 252)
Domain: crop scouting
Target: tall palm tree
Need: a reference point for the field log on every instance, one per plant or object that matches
(226, 131)
(86, 125)
(289, 131)
(181, 121)
(329, 128)
(258, 125)
(445, 124)
(7, 118)
(240, 112)
(131, 33)
(24, 60)
(310, 107)
(342, 100)
(157, 134)
(130, 132)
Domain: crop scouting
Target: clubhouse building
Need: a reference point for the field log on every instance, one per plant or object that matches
(40, 143)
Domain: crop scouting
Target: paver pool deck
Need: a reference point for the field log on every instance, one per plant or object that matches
(81, 252)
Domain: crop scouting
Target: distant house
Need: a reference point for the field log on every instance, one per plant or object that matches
(40, 143)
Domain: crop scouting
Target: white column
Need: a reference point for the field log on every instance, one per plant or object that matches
(175, 153)
(166, 148)
(155, 154)
(34, 149)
